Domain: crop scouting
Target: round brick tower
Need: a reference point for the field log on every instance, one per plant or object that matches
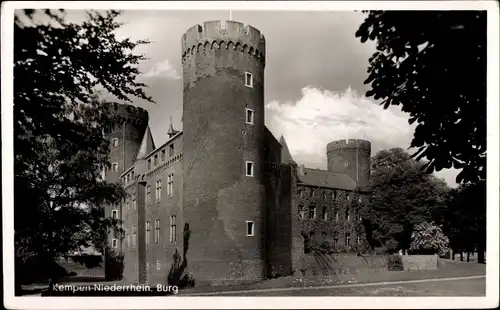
(351, 157)
(223, 123)
(126, 137)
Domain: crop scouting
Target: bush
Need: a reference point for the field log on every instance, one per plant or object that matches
(113, 265)
(395, 262)
(428, 238)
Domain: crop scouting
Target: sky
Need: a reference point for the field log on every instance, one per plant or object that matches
(314, 90)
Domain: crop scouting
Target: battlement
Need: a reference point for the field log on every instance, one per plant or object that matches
(349, 144)
(224, 34)
(128, 113)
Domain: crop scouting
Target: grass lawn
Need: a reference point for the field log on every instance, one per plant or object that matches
(447, 269)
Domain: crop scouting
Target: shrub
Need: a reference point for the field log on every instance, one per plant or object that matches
(427, 238)
(113, 265)
(395, 262)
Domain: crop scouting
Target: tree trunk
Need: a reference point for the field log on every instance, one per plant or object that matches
(461, 256)
(452, 254)
(480, 256)
(468, 256)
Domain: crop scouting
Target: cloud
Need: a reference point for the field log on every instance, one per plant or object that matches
(321, 116)
(163, 69)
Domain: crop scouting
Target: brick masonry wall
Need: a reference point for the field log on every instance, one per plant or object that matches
(420, 262)
(218, 197)
(342, 264)
(278, 183)
(333, 202)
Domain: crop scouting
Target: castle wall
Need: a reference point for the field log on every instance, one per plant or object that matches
(218, 197)
(336, 217)
(170, 204)
(351, 157)
(278, 218)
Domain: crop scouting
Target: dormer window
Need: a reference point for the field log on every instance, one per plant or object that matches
(248, 79)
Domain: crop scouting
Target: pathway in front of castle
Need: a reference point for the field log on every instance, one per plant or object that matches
(457, 286)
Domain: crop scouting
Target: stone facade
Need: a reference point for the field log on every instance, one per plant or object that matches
(223, 195)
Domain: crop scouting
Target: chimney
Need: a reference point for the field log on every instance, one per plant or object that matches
(300, 170)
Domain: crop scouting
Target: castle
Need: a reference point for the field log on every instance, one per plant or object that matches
(224, 193)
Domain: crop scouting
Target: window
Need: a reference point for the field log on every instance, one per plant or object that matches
(325, 214)
(250, 228)
(134, 204)
(134, 235)
(148, 194)
(249, 116)
(347, 197)
(360, 218)
(249, 169)
(302, 212)
(127, 206)
(360, 200)
(115, 167)
(312, 212)
(157, 231)
(128, 240)
(248, 79)
(171, 150)
(158, 190)
(115, 142)
(114, 214)
(173, 229)
(114, 243)
(163, 155)
(357, 241)
(348, 240)
(149, 163)
(334, 195)
(158, 265)
(347, 215)
(170, 185)
(336, 216)
(148, 232)
(336, 239)
(155, 162)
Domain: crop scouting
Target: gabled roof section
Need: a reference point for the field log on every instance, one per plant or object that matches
(286, 157)
(323, 178)
(147, 145)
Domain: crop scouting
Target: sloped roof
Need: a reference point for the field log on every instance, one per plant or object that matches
(286, 157)
(147, 144)
(323, 178)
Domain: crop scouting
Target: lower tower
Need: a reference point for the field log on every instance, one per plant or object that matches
(351, 157)
(223, 144)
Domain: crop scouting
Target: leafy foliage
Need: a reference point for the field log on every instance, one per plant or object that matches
(113, 264)
(402, 196)
(59, 123)
(427, 238)
(433, 65)
(395, 262)
(463, 218)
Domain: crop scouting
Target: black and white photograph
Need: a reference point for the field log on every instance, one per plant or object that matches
(250, 149)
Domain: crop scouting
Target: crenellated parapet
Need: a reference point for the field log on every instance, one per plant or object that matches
(125, 113)
(223, 35)
(349, 145)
